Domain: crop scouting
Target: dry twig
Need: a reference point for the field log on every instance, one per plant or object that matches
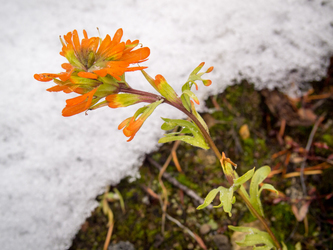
(174, 182)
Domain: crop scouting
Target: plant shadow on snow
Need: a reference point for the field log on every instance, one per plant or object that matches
(278, 131)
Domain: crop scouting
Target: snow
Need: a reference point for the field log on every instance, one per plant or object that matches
(52, 168)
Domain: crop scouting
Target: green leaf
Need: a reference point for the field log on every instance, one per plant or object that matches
(284, 247)
(186, 89)
(244, 178)
(190, 94)
(196, 76)
(227, 198)
(209, 198)
(121, 200)
(168, 124)
(188, 127)
(258, 177)
(185, 138)
(298, 246)
(186, 101)
(269, 187)
(196, 114)
(254, 237)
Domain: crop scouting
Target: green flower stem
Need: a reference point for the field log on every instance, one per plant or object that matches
(213, 147)
(260, 218)
(144, 94)
(240, 192)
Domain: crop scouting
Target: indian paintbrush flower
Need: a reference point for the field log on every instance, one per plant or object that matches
(95, 68)
(227, 167)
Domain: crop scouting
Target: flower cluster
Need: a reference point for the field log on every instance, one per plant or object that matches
(95, 68)
(96, 71)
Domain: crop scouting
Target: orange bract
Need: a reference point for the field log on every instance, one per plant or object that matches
(95, 67)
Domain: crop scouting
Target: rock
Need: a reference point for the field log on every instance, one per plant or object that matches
(122, 245)
(239, 236)
(222, 242)
(204, 229)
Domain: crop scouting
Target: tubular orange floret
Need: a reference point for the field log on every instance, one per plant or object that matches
(135, 125)
(45, 77)
(59, 88)
(207, 82)
(137, 56)
(117, 36)
(130, 127)
(76, 41)
(196, 85)
(112, 101)
(124, 123)
(67, 66)
(78, 104)
(210, 69)
(73, 110)
(85, 34)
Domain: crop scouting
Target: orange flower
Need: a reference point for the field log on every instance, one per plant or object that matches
(96, 68)
(132, 124)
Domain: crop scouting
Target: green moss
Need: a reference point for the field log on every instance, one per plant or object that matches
(328, 138)
(282, 219)
(183, 179)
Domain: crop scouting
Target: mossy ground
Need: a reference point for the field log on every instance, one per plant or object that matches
(238, 105)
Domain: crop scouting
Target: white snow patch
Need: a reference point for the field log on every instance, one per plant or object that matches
(52, 168)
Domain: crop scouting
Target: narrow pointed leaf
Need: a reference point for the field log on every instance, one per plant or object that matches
(197, 139)
(269, 187)
(191, 95)
(209, 198)
(188, 139)
(198, 116)
(244, 178)
(258, 177)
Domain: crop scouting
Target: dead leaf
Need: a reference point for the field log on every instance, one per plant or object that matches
(200, 241)
(302, 212)
(307, 115)
(244, 132)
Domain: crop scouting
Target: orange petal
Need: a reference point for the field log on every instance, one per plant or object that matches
(115, 52)
(117, 36)
(68, 37)
(210, 69)
(137, 56)
(58, 88)
(85, 34)
(87, 75)
(76, 41)
(124, 123)
(101, 72)
(67, 66)
(73, 110)
(65, 76)
(135, 68)
(45, 77)
(104, 45)
(78, 104)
